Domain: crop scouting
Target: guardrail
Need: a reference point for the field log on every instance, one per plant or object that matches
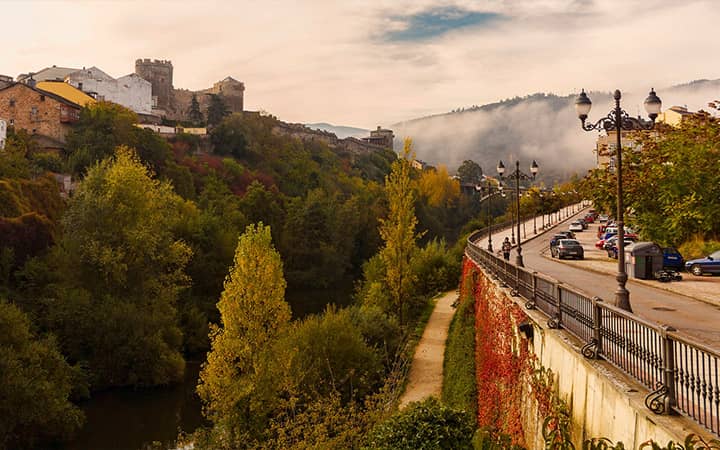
(681, 374)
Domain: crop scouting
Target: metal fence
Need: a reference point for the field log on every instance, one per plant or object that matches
(681, 374)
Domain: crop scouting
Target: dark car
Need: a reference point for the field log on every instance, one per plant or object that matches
(555, 239)
(569, 248)
(672, 259)
(568, 234)
(612, 250)
(709, 264)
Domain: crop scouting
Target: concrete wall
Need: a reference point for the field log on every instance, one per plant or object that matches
(604, 402)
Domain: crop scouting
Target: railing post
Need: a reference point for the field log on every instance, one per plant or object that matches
(534, 287)
(593, 348)
(669, 369)
(555, 322)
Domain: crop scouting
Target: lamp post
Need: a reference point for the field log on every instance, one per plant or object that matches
(518, 174)
(489, 193)
(618, 120)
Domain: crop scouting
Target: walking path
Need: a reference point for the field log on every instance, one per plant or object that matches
(426, 372)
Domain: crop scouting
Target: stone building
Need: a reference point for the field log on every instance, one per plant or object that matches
(381, 137)
(232, 91)
(159, 73)
(130, 91)
(45, 115)
(5, 80)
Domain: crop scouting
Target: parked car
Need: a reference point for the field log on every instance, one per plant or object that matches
(708, 264)
(569, 248)
(584, 222)
(576, 226)
(612, 251)
(603, 218)
(589, 218)
(672, 259)
(612, 241)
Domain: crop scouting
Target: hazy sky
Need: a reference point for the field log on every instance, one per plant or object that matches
(365, 63)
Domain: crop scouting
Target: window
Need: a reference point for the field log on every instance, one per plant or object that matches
(42, 97)
(33, 113)
(12, 102)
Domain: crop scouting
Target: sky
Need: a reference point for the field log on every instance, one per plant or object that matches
(369, 63)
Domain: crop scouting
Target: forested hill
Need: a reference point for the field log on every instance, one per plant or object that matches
(540, 126)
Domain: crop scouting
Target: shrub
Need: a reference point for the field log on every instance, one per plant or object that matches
(697, 247)
(459, 389)
(424, 425)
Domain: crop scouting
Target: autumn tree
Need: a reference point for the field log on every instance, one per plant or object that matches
(398, 233)
(438, 188)
(121, 268)
(253, 312)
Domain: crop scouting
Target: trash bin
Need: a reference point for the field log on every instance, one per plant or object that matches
(643, 259)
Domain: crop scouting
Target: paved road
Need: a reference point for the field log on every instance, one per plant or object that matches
(692, 317)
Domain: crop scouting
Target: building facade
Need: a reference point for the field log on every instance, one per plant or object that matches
(382, 137)
(130, 91)
(46, 116)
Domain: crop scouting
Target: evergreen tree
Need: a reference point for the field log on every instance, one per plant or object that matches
(217, 110)
(253, 312)
(398, 232)
(194, 113)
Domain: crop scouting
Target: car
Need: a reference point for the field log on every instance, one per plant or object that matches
(568, 248)
(583, 222)
(708, 264)
(576, 226)
(600, 244)
(612, 241)
(568, 234)
(589, 218)
(603, 218)
(554, 241)
(612, 251)
(672, 259)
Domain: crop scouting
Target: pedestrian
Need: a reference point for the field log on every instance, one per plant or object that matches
(506, 246)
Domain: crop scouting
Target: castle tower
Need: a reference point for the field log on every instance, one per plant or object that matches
(232, 91)
(160, 74)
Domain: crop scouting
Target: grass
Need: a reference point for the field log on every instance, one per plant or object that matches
(459, 389)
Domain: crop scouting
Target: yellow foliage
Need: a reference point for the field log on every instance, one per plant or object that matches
(438, 188)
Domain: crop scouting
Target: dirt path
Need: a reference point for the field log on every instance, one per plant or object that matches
(426, 373)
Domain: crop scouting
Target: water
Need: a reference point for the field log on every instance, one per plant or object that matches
(128, 419)
(131, 419)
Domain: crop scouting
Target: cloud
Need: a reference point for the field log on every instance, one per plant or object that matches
(436, 22)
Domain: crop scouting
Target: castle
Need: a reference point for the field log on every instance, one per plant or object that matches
(174, 103)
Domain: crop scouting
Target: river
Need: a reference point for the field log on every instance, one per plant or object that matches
(133, 419)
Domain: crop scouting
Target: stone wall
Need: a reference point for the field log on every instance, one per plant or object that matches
(603, 402)
(348, 145)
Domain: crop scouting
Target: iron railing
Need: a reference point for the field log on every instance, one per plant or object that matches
(680, 373)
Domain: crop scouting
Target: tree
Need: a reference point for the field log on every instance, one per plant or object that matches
(253, 312)
(470, 172)
(194, 113)
(398, 233)
(121, 268)
(35, 384)
(217, 110)
(438, 188)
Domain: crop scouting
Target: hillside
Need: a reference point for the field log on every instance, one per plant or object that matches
(340, 131)
(540, 126)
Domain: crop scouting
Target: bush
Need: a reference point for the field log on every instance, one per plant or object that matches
(436, 267)
(459, 390)
(424, 425)
(697, 247)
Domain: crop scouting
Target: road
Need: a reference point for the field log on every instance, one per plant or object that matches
(689, 316)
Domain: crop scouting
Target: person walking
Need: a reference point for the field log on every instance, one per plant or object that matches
(506, 246)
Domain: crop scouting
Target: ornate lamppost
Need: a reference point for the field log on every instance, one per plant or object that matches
(517, 175)
(489, 212)
(618, 120)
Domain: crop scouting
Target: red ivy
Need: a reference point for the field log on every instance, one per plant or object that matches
(501, 364)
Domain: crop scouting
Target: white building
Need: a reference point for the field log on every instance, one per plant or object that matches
(3, 133)
(130, 91)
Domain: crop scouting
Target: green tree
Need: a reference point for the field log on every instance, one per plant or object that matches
(253, 312)
(398, 233)
(470, 172)
(194, 113)
(35, 384)
(122, 268)
(217, 110)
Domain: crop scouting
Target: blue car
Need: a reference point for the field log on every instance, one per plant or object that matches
(672, 259)
(709, 264)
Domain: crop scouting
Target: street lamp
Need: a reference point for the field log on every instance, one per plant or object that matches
(518, 174)
(489, 214)
(619, 120)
